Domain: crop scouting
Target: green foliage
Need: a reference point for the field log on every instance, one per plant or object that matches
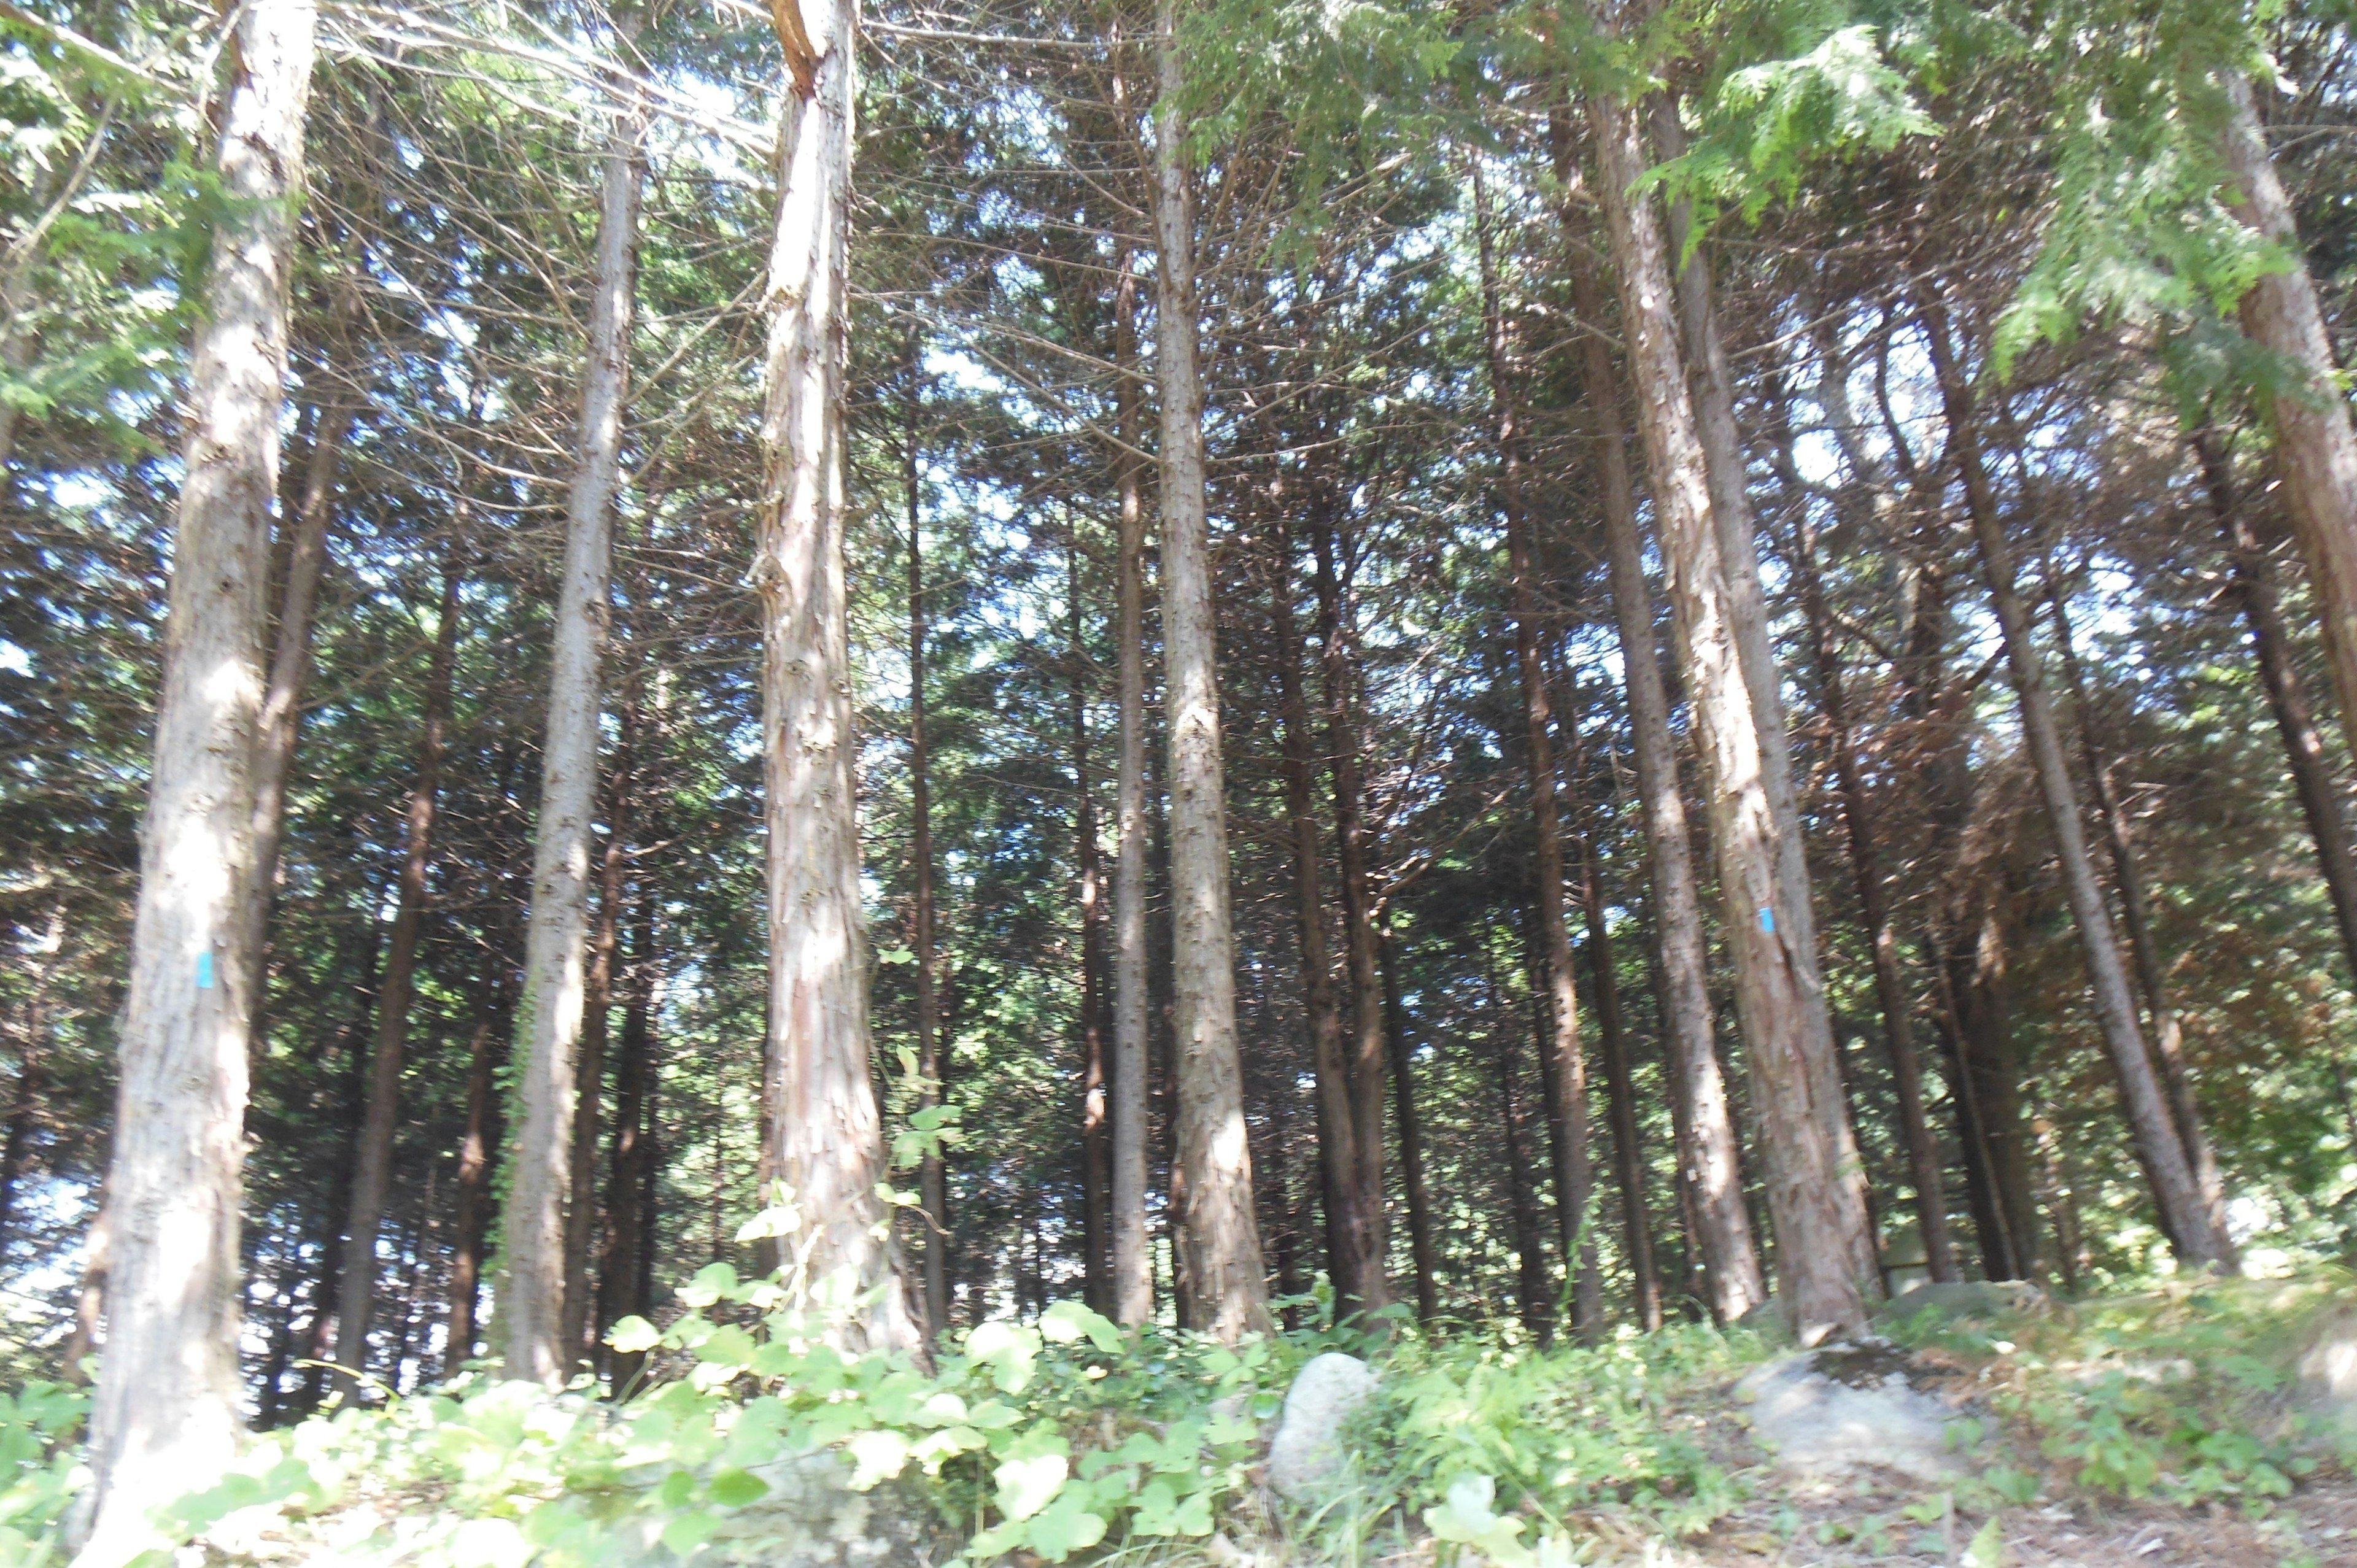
(40, 1470)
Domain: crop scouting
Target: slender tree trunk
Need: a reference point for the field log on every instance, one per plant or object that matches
(531, 1299)
(1096, 1152)
(1866, 868)
(596, 1021)
(1535, 1299)
(1620, 1092)
(1366, 1049)
(2254, 589)
(1350, 1242)
(2316, 444)
(620, 1267)
(2198, 1231)
(1708, 1152)
(347, 1113)
(932, 1181)
(372, 1172)
(281, 718)
(824, 1136)
(1133, 1270)
(165, 1418)
(90, 1298)
(2168, 1036)
(471, 1222)
(1565, 1064)
(1219, 1235)
(1411, 1140)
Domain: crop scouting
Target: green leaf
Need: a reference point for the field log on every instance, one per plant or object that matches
(1987, 1548)
(633, 1336)
(1468, 1517)
(688, 1530)
(1026, 1484)
(877, 1456)
(1068, 1321)
(1065, 1528)
(734, 1488)
(711, 1282)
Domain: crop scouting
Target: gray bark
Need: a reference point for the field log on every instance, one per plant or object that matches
(165, 1418)
(1217, 1234)
(1133, 1276)
(823, 1137)
(530, 1319)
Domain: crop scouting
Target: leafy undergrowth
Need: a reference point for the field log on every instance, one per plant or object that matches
(2166, 1427)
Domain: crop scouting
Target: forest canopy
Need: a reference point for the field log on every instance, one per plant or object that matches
(1393, 668)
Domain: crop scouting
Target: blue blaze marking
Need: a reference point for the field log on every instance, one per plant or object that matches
(1767, 919)
(205, 971)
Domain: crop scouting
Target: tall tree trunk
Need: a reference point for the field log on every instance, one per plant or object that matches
(532, 1302)
(2168, 1036)
(1620, 1087)
(166, 1417)
(823, 1137)
(471, 1222)
(2316, 444)
(1132, 1267)
(372, 1172)
(620, 1267)
(1533, 1288)
(2254, 589)
(1366, 1051)
(2198, 1230)
(349, 1111)
(290, 661)
(1355, 1264)
(1096, 1154)
(1824, 1252)
(1564, 1064)
(1865, 869)
(1217, 1234)
(596, 1021)
(1411, 1140)
(933, 1180)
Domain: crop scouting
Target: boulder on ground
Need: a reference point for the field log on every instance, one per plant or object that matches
(2328, 1372)
(1963, 1298)
(1845, 1407)
(1307, 1449)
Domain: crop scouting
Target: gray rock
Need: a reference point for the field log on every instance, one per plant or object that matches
(2328, 1372)
(1963, 1298)
(1307, 1449)
(1848, 1407)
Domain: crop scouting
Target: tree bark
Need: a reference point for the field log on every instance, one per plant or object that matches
(165, 1418)
(531, 1303)
(1708, 1154)
(1218, 1233)
(621, 1266)
(40, 962)
(1366, 1049)
(1096, 1152)
(1411, 1141)
(1133, 1272)
(1563, 1063)
(2254, 589)
(1824, 1252)
(824, 1137)
(372, 1172)
(2196, 1230)
(2316, 444)
(1865, 869)
(1355, 1264)
(596, 1021)
(471, 1222)
(932, 1179)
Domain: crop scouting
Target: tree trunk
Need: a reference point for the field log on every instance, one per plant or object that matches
(2198, 1231)
(165, 1418)
(1708, 1155)
(2168, 1036)
(471, 1222)
(290, 662)
(2254, 588)
(2316, 444)
(1096, 1154)
(824, 1137)
(1865, 869)
(619, 1266)
(1563, 1063)
(1824, 1251)
(40, 962)
(933, 1180)
(373, 1171)
(1217, 1234)
(1352, 1259)
(350, 1101)
(532, 1302)
(1532, 1285)
(1133, 1270)
(1411, 1139)
(1367, 1052)
(597, 1020)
